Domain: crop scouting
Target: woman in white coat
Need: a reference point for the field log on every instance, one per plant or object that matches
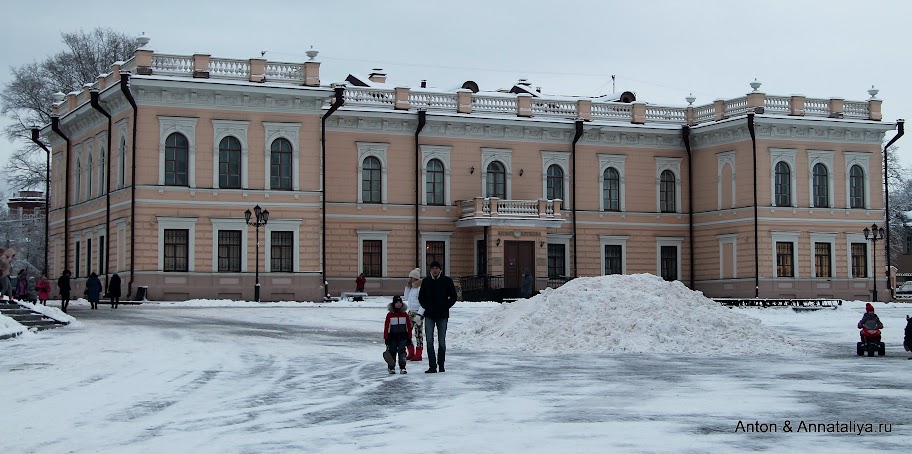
(416, 314)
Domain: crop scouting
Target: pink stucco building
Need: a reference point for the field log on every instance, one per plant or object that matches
(762, 194)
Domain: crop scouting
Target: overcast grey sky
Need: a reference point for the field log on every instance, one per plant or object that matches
(662, 50)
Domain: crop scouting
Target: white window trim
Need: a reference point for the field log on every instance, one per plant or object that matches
(617, 161)
(674, 165)
(229, 224)
(723, 159)
(564, 239)
(669, 241)
(562, 160)
(826, 158)
(285, 225)
(861, 159)
(379, 151)
(732, 239)
(858, 238)
(238, 130)
(78, 182)
(435, 236)
(786, 237)
(102, 165)
(613, 240)
(788, 156)
(121, 244)
(89, 170)
(89, 255)
(505, 157)
(823, 238)
(373, 235)
(77, 256)
(442, 153)
(122, 154)
(166, 222)
(187, 127)
(99, 233)
(290, 132)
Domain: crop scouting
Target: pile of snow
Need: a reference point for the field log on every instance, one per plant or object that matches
(8, 326)
(621, 313)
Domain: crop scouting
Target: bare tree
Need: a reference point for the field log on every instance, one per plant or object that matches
(899, 180)
(27, 98)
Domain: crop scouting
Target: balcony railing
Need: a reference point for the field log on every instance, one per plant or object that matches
(491, 207)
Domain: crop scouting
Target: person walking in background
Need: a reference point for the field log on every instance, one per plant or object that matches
(437, 296)
(93, 290)
(416, 314)
(397, 334)
(525, 290)
(360, 281)
(63, 286)
(22, 288)
(114, 290)
(44, 289)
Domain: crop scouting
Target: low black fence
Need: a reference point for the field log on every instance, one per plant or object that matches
(483, 287)
(779, 302)
(557, 281)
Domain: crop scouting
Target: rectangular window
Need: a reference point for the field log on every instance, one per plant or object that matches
(613, 259)
(822, 260)
(101, 255)
(481, 262)
(177, 248)
(372, 258)
(229, 251)
(434, 250)
(669, 255)
(557, 258)
(89, 257)
(281, 250)
(859, 260)
(77, 259)
(785, 259)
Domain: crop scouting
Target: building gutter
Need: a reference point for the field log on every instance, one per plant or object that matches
(47, 195)
(55, 126)
(576, 138)
(422, 120)
(685, 134)
(338, 101)
(107, 255)
(750, 128)
(900, 131)
(125, 89)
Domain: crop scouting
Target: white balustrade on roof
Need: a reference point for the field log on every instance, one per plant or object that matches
(277, 72)
(817, 107)
(777, 104)
(612, 110)
(172, 64)
(548, 108)
(856, 109)
(432, 101)
(736, 106)
(229, 68)
(371, 97)
(666, 114)
(483, 103)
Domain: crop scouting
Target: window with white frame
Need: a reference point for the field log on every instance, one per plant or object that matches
(435, 160)
(611, 174)
(782, 177)
(496, 176)
(122, 153)
(372, 172)
(668, 258)
(858, 185)
(858, 256)
(282, 240)
(728, 254)
(177, 151)
(90, 169)
(667, 193)
(436, 247)
(613, 249)
(372, 252)
(668, 185)
(102, 162)
(497, 173)
(280, 165)
(723, 160)
(555, 173)
(785, 246)
(229, 245)
(78, 182)
(230, 155)
(176, 243)
(282, 171)
(824, 247)
(820, 168)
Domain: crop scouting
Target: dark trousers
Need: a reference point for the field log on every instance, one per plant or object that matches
(398, 348)
(439, 325)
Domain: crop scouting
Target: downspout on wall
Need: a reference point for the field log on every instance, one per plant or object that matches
(685, 133)
(750, 128)
(125, 88)
(900, 131)
(422, 120)
(576, 138)
(36, 133)
(107, 246)
(337, 102)
(55, 126)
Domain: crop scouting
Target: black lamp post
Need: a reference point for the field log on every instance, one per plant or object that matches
(260, 218)
(874, 233)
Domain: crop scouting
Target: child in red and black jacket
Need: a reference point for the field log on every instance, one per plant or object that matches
(397, 334)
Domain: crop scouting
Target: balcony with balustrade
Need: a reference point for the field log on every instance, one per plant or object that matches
(493, 211)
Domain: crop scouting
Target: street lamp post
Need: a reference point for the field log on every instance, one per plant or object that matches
(873, 234)
(260, 218)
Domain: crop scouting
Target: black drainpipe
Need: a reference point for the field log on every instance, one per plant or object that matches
(576, 138)
(337, 102)
(55, 126)
(750, 128)
(47, 196)
(900, 132)
(422, 120)
(107, 257)
(125, 88)
(685, 132)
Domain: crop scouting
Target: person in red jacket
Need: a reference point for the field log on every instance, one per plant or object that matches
(359, 282)
(397, 334)
(44, 290)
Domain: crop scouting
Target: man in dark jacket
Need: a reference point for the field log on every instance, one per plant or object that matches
(114, 290)
(63, 284)
(437, 296)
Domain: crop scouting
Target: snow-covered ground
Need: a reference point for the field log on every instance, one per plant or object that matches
(607, 364)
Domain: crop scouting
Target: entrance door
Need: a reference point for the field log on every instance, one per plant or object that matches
(518, 255)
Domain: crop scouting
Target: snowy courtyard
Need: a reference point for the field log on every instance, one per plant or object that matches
(639, 368)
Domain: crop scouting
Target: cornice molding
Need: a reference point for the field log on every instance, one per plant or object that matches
(854, 133)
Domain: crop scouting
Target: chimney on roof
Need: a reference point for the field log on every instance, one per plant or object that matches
(423, 83)
(377, 75)
(538, 89)
(524, 82)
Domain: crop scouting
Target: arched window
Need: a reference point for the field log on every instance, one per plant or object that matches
(496, 181)
(89, 169)
(434, 185)
(555, 182)
(280, 164)
(177, 156)
(667, 192)
(230, 163)
(78, 180)
(856, 187)
(821, 187)
(783, 185)
(611, 189)
(123, 163)
(371, 180)
(102, 186)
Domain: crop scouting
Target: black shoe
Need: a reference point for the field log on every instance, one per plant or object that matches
(403, 371)
(440, 368)
(431, 371)
(391, 371)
